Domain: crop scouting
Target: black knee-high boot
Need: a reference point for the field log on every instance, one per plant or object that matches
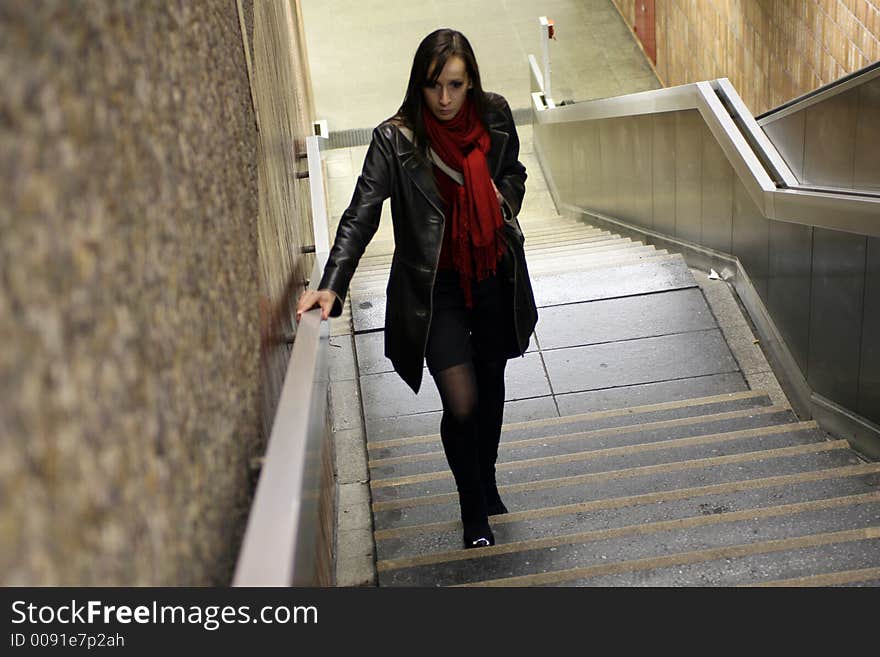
(490, 417)
(460, 446)
(489, 441)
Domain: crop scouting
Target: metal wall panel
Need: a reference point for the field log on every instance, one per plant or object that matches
(550, 139)
(830, 141)
(788, 289)
(716, 196)
(869, 372)
(867, 158)
(689, 130)
(836, 314)
(624, 140)
(643, 203)
(787, 135)
(586, 165)
(663, 159)
(751, 238)
(608, 144)
(564, 169)
(547, 142)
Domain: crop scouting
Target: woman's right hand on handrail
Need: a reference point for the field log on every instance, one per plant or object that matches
(311, 298)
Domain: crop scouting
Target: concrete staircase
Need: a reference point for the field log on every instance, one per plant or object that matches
(720, 490)
(684, 479)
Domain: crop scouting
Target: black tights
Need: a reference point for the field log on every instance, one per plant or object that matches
(473, 408)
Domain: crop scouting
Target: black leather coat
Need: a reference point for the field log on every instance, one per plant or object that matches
(394, 168)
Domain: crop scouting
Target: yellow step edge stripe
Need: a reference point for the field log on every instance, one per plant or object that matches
(685, 558)
(825, 579)
(594, 433)
(593, 415)
(630, 530)
(641, 499)
(625, 473)
(589, 455)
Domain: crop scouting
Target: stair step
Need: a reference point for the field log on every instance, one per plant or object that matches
(587, 246)
(681, 529)
(865, 576)
(719, 544)
(595, 461)
(603, 281)
(525, 445)
(526, 524)
(628, 479)
(568, 405)
(613, 281)
(601, 420)
(377, 281)
(824, 556)
(576, 254)
(550, 450)
(377, 261)
(384, 244)
(435, 518)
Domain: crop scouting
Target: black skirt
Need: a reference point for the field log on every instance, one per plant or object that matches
(459, 334)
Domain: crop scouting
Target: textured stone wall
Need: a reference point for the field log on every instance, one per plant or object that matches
(130, 288)
(772, 50)
(285, 225)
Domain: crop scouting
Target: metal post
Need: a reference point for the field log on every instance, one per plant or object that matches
(319, 207)
(547, 26)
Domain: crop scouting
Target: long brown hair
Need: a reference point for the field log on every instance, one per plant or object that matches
(438, 47)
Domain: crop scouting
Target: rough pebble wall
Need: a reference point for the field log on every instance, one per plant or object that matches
(129, 292)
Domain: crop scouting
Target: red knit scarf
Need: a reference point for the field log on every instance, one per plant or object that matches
(462, 143)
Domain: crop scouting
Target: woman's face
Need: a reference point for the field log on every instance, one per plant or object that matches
(446, 96)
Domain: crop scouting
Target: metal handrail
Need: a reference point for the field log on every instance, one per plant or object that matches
(775, 192)
(824, 92)
(279, 546)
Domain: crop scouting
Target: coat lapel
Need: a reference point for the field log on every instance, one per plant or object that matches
(419, 171)
(496, 152)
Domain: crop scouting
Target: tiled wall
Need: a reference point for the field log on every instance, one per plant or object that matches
(771, 50)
